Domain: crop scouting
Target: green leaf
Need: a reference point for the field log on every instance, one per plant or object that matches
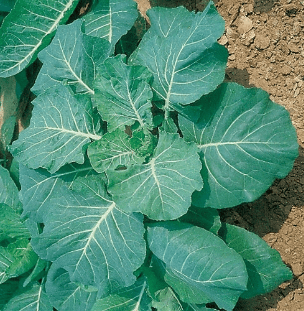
(162, 188)
(11, 226)
(110, 19)
(200, 261)
(27, 29)
(166, 300)
(265, 268)
(207, 218)
(7, 291)
(66, 295)
(123, 94)
(73, 57)
(112, 150)
(143, 142)
(37, 273)
(246, 142)
(86, 235)
(8, 190)
(182, 52)
(61, 135)
(133, 298)
(30, 299)
(7, 6)
(7, 131)
(37, 186)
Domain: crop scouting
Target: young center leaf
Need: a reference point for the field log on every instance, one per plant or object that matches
(110, 19)
(37, 186)
(182, 52)
(61, 127)
(162, 188)
(123, 94)
(86, 235)
(245, 142)
(197, 264)
(27, 29)
(265, 268)
(72, 56)
(112, 150)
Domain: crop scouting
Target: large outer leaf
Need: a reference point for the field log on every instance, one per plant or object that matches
(246, 141)
(181, 51)
(123, 94)
(28, 29)
(162, 188)
(201, 261)
(8, 189)
(30, 299)
(66, 295)
(38, 185)
(112, 150)
(133, 298)
(61, 126)
(89, 237)
(265, 268)
(110, 19)
(72, 56)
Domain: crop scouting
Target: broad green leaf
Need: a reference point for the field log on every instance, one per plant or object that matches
(37, 186)
(11, 226)
(143, 142)
(201, 261)
(37, 273)
(7, 291)
(112, 150)
(16, 259)
(182, 52)
(27, 29)
(30, 299)
(8, 190)
(166, 300)
(66, 295)
(110, 19)
(7, 5)
(7, 131)
(133, 298)
(61, 127)
(86, 235)
(123, 94)
(162, 188)
(265, 268)
(207, 218)
(246, 141)
(73, 57)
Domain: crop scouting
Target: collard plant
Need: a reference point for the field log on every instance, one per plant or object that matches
(131, 150)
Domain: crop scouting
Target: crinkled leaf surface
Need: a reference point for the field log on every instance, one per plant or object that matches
(61, 127)
(66, 295)
(27, 29)
(265, 268)
(246, 141)
(11, 226)
(112, 150)
(30, 299)
(72, 56)
(110, 19)
(162, 188)
(123, 94)
(132, 298)
(182, 52)
(37, 186)
(201, 261)
(86, 235)
(8, 189)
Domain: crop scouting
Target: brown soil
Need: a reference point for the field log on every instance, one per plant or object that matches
(265, 39)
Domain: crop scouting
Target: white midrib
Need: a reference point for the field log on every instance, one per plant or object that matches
(140, 297)
(141, 122)
(230, 143)
(110, 22)
(62, 130)
(153, 172)
(51, 29)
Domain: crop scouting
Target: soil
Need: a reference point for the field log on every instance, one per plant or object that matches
(265, 40)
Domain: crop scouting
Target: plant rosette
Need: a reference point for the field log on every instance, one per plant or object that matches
(133, 146)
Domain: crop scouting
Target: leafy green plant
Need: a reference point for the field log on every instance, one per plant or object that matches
(130, 152)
